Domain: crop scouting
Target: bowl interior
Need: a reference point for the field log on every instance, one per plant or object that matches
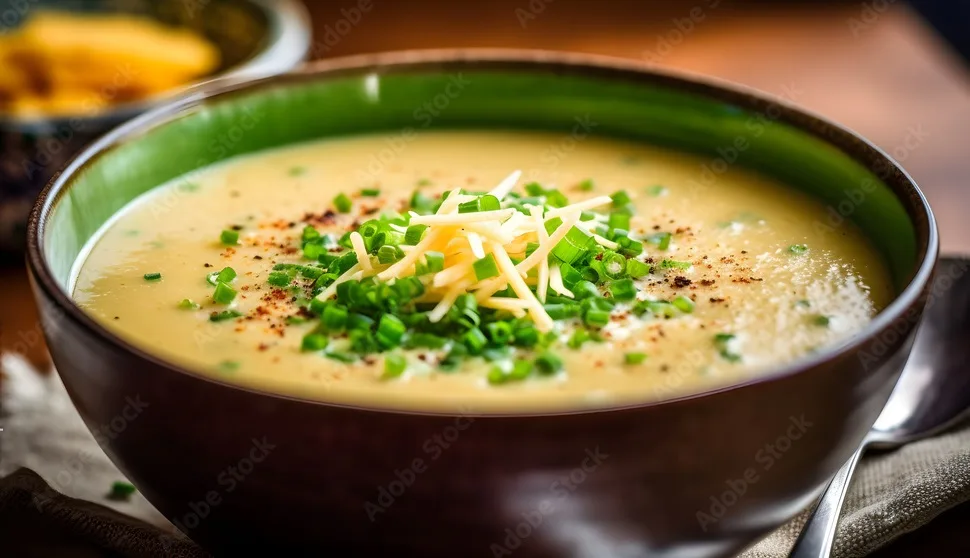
(818, 158)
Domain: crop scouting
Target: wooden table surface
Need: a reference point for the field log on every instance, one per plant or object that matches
(878, 71)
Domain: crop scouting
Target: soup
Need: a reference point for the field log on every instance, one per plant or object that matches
(423, 272)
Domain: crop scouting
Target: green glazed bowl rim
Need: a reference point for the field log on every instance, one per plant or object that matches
(444, 60)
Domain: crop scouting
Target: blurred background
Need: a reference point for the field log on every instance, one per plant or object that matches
(897, 72)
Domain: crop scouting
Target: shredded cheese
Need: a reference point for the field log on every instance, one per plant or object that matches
(357, 241)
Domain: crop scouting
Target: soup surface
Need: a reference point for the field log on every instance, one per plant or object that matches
(743, 283)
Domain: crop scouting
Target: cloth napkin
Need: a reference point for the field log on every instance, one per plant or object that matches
(54, 478)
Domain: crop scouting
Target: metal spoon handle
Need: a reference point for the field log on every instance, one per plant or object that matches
(817, 537)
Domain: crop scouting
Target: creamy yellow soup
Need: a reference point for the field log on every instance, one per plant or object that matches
(767, 286)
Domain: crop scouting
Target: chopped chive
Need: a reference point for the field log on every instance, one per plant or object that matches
(229, 237)
(226, 275)
(421, 203)
(577, 339)
(435, 261)
(573, 246)
(636, 268)
(548, 363)
(683, 304)
(394, 366)
(475, 341)
(279, 279)
(224, 315)
(121, 491)
(657, 190)
(660, 239)
(674, 264)
(340, 356)
(722, 341)
(187, 304)
(313, 342)
(153, 276)
(596, 318)
(587, 185)
(390, 331)
(389, 254)
(370, 192)
(486, 268)
(343, 203)
(334, 317)
(620, 198)
(224, 294)
(822, 321)
(798, 249)
(613, 264)
(229, 366)
(623, 289)
(634, 358)
(297, 171)
(424, 182)
(619, 220)
(414, 234)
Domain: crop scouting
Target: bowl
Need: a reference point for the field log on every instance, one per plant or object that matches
(256, 38)
(700, 475)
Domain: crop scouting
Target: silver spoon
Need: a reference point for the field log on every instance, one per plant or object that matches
(932, 394)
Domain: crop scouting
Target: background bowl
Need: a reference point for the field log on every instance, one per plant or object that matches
(240, 470)
(256, 38)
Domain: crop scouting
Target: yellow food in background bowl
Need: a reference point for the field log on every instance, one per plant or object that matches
(60, 63)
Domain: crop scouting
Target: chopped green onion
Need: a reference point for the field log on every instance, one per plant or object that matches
(634, 358)
(573, 246)
(340, 356)
(334, 317)
(619, 220)
(629, 247)
(187, 304)
(486, 268)
(548, 363)
(614, 265)
(499, 332)
(587, 185)
(798, 249)
(121, 491)
(577, 339)
(226, 275)
(620, 198)
(153, 276)
(674, 264)
(390, 331)
(394, 366)
(623, 289)
(722, 341)
(636, 268)
(657, 190)
(343, 203)
(683, 304)
(229, 237)
(660, 239)
(370, 192)
(279, 279)
(474, 340)
(224, 294)
(389, 254)
(414, 234)
(313, 342)
(421, 203)
(821, 321)
(435, 261)
(596, 318)
(223, 316)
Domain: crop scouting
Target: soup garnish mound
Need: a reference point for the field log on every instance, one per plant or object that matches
(476, 286)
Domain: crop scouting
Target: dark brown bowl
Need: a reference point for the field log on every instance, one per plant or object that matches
(704, 475)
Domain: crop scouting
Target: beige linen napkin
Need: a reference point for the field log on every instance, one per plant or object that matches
(892, 493)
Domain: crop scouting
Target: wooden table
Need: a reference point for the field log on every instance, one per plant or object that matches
(882, 73)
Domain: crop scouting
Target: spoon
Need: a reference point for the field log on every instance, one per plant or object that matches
(932, 393)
